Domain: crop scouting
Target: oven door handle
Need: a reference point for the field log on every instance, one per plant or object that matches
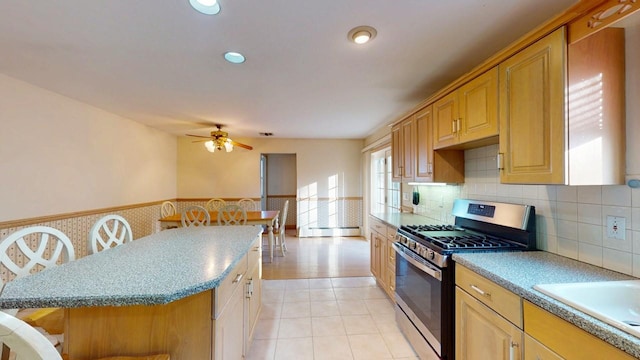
(422, 265)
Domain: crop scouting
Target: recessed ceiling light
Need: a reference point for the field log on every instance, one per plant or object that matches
(234, 57)
(362, 34)
(209, 7)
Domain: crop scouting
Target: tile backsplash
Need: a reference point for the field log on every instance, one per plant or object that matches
(570, 220)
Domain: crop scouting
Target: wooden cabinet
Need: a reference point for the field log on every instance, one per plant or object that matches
(403, 142)
(532, 113)
(482, 328)
(229, 329)
(383, 264)
(468, 114)
(253, 293)
(533, 350)
(565, 339)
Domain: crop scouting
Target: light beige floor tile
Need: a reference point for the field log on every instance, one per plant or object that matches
(380, 306)
(321, 294)
(267, 329)
(332, 348)
(349, 293)
(297, 284)
(294, 349)
(271, 310)
(373, 293)
(327, 326)
(359, 324)
(296, 295)
(274, 284)
(320, 283)
(386, 323)
(325, 308)
(296, 310)
(262, 349)
(354, 282)
(352, 307)
(272, 296)
(368, 347)
(398, 345)
(294, 328)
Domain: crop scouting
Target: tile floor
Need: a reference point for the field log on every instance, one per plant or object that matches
(327, 318)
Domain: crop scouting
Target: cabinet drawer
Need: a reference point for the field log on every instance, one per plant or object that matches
(501, 300)
(566, 339)
(378, 226)
(255, 253)
(533, 350)
(227, 287)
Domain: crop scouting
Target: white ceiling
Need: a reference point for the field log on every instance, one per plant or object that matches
(160, 63)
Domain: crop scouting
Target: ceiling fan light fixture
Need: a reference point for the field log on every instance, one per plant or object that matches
(209, 145)
(207, 7)
(362, 34)
(228, 145)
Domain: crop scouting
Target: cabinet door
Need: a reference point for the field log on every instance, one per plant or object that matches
(479, 107)
(253, 297)
(229, 329)
(396, 153)
(424, 144)
(445, 116)
(532, 113)
(375, 254)
(408, 149)
(483, 334)
(533, 350)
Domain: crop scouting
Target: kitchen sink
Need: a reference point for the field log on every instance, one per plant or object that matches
(615, 302)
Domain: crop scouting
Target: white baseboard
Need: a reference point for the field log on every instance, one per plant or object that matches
(312, 232)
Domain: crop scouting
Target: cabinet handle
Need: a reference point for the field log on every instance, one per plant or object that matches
(429, 168)
(512, 350)
(238, 278)
(453, 126)
(249, 288)
(458, 124)
(500, 161)
(480, 291)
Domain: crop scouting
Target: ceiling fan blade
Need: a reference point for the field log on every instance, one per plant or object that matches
(199, 141)
(235, 143)
(200, 136)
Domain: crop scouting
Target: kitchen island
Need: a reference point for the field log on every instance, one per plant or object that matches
(178, 291)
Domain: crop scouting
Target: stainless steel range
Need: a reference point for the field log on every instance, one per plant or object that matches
(425, 274)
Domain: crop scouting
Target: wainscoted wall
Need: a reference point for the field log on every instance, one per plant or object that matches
(277, 202)
(141, 217)
(329, 216)
(571, 220)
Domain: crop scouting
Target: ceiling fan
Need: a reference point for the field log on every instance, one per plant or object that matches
(220, 140)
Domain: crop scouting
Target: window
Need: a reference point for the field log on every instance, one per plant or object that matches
(385, 194)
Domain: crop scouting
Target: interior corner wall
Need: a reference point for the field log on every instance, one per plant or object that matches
(329, 167)
(58, 155)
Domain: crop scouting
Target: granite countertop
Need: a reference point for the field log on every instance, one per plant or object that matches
(398, 219)
(520, 271)
(156, 269)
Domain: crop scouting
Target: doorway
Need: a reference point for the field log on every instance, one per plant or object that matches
(278, 183)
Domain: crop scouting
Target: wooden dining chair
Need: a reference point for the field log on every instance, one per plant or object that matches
(280, 236)
(110, 231)
(215, 204)
(247, 204)
(232, 215)
(195, 216)
(167, 209)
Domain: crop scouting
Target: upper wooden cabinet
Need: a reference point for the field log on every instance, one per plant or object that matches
(403, 144)
(468, 114)
(532, 113)
(419, 162)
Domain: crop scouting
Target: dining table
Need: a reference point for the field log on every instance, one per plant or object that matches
(268, 218)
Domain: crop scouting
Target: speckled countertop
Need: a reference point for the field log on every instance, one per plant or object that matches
(398, 219)
(519, 272)
(156, 269)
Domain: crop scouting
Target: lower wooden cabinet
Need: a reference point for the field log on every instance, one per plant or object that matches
(533, 350)
(483, 334)
(383, 261)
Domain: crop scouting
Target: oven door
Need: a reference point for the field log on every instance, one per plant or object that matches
(419, 295)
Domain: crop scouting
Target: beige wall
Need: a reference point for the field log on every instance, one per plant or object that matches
(202, 174)
(58, 155)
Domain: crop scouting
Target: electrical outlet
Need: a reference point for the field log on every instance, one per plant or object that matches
(405, 196)
(616, 227)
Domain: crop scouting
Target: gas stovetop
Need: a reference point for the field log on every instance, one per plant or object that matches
(479, 226)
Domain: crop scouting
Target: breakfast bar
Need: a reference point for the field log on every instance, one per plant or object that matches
(177, 291)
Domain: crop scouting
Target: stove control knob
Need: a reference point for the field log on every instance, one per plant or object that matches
(430, 254)
(412, 244)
